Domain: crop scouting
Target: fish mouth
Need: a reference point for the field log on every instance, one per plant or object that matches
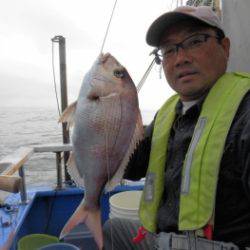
(95, 97)
(110, 95)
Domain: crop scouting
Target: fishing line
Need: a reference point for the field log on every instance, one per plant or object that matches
(107, 30)
(108, 173)
(106, 134)
(54, 78)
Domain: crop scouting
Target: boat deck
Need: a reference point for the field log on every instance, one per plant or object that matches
(46, 211)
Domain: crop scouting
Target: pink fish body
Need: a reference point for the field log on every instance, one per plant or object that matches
(107, 127)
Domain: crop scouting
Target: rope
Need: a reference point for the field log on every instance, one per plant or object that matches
(54, 78)
(107, 30)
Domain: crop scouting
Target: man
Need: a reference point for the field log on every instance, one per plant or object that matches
(195, 154)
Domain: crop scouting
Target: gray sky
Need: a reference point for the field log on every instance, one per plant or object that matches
(26, 29)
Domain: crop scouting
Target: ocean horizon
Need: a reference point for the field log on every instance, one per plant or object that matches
(30, 126)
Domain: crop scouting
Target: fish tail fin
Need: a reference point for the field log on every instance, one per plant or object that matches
(92, 219)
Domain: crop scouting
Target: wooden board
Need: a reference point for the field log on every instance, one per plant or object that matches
(53, 148)
(11, 163)
(10, 183)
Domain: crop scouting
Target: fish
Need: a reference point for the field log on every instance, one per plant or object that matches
(9, 241)
(107, 128)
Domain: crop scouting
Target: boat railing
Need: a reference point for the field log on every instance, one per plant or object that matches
(15, 162)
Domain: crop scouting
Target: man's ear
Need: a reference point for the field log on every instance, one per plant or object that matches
(225, 43)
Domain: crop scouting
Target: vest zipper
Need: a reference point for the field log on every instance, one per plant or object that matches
(189, 157)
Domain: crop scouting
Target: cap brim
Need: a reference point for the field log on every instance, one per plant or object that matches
(162, 23)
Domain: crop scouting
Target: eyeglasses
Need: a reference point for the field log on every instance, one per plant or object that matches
(190, 43)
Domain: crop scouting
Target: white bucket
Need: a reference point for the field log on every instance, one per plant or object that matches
(125, 205)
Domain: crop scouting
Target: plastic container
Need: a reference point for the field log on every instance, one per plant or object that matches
(125, 205)
(81, 237)
(59, 246)
(35, 241)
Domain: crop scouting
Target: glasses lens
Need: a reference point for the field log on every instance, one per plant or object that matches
(191, 42)
(168, 50)
(194, 41)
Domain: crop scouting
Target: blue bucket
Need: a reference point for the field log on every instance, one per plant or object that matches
(81, 237)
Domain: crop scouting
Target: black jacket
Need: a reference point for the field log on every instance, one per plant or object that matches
(232, 209)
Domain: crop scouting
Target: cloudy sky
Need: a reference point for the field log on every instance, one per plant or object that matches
(26, 29)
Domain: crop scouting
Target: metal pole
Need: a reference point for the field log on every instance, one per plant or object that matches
(23, 192)
(64, 96)
(59, 170)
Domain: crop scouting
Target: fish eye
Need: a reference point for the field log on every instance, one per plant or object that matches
(118, 73)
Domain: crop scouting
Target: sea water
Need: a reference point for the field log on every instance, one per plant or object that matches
(31, 126)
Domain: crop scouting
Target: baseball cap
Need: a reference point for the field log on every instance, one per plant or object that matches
(203, 14)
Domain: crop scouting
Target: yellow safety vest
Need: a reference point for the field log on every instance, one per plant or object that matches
(202, 160)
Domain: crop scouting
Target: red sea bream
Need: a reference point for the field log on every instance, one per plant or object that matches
(107, 127)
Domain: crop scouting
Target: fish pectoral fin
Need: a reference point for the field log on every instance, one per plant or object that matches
(68, 115)
(92, 219)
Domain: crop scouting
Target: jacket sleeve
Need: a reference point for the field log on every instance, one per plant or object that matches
(138, 164)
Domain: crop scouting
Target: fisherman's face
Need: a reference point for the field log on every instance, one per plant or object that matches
(192, 72)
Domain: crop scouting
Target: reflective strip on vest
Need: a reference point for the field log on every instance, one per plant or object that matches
(202, 161)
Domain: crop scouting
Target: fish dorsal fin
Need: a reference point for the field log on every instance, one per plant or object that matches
(68, 115)
(136, 138)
